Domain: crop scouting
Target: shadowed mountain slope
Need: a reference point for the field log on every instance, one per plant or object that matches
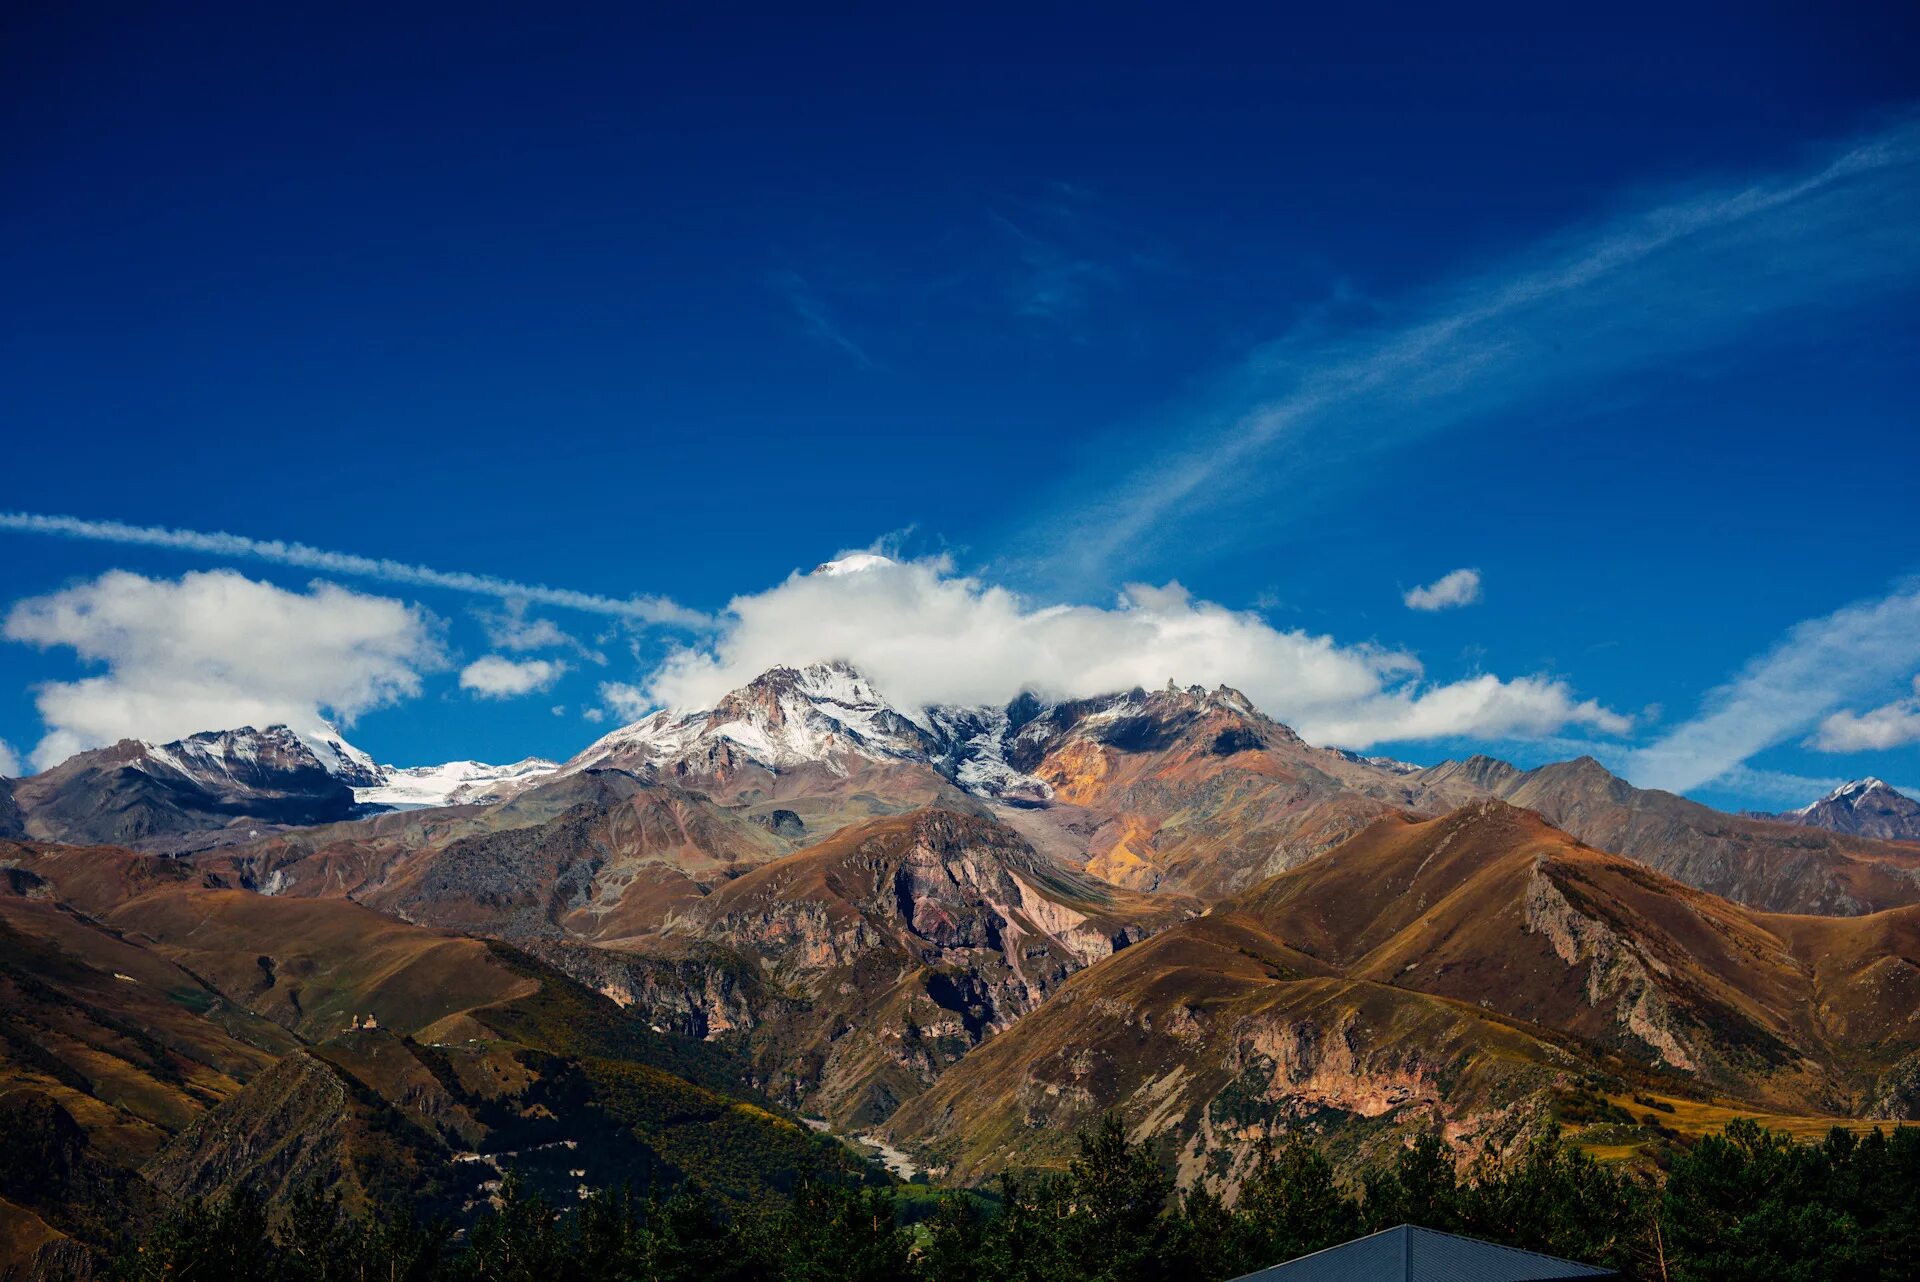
(191, 793)
(159, 1022)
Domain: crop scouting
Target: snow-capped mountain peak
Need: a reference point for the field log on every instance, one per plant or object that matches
(341, 759)
(1866, 807)
(832, 715)
(280, 758)
(250, 758)
(1848, 793)
(822, 712)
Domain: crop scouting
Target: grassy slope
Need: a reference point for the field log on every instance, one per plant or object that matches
(197, 1031)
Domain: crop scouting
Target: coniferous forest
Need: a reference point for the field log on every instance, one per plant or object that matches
(1745, 1203)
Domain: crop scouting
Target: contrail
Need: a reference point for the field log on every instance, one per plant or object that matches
(644, 609)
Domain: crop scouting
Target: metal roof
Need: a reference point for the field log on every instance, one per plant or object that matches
(1409, 1254)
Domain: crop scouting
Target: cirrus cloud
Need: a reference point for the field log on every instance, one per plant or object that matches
(1803, 681)
(215, 650)
(639, 609)
(926, 634)
(1649, 285)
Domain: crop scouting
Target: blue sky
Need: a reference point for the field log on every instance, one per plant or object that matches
(1302, 311)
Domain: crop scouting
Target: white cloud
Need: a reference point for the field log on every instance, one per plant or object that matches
(1819, 665)
(925, 634)
(1461, 587)
(215, 650)
(495, 676)
(9, 761)
(628, 702)
(639, 609)
(512, 629)
(1890, 725)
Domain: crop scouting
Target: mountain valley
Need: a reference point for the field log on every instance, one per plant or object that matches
(958, 933)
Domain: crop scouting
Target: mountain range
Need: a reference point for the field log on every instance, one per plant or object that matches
(222, 786)
(947, 934)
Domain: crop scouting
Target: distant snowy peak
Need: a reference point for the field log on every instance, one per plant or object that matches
(790, 715)
(1392, 765)
(253, 757)
(456, 783)
(280, 759)
(785, 717)
(341, 759)
(830, 714)
(1855, 792)
(1848, 795)
(187, 793)
(272, 759)
(1865, 808)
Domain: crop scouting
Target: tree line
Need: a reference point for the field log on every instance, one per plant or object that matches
(1746, 1203)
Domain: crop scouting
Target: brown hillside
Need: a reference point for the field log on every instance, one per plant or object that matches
(1555, 955)
(1758, 862)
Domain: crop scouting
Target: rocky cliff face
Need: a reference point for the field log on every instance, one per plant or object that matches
(1212, 1034)
(1617, 975)
(707, 993)
(13, 823)
(1193, 791)
(897, 946)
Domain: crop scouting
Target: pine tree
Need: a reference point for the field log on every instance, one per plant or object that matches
(1420, 1188)
(835, 1234)
(224, 1242)
(1109, 1209)
(1559, 1200)
(1203, 1239)
(957, 1247)
(519, 1242)
(1291, 1205)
